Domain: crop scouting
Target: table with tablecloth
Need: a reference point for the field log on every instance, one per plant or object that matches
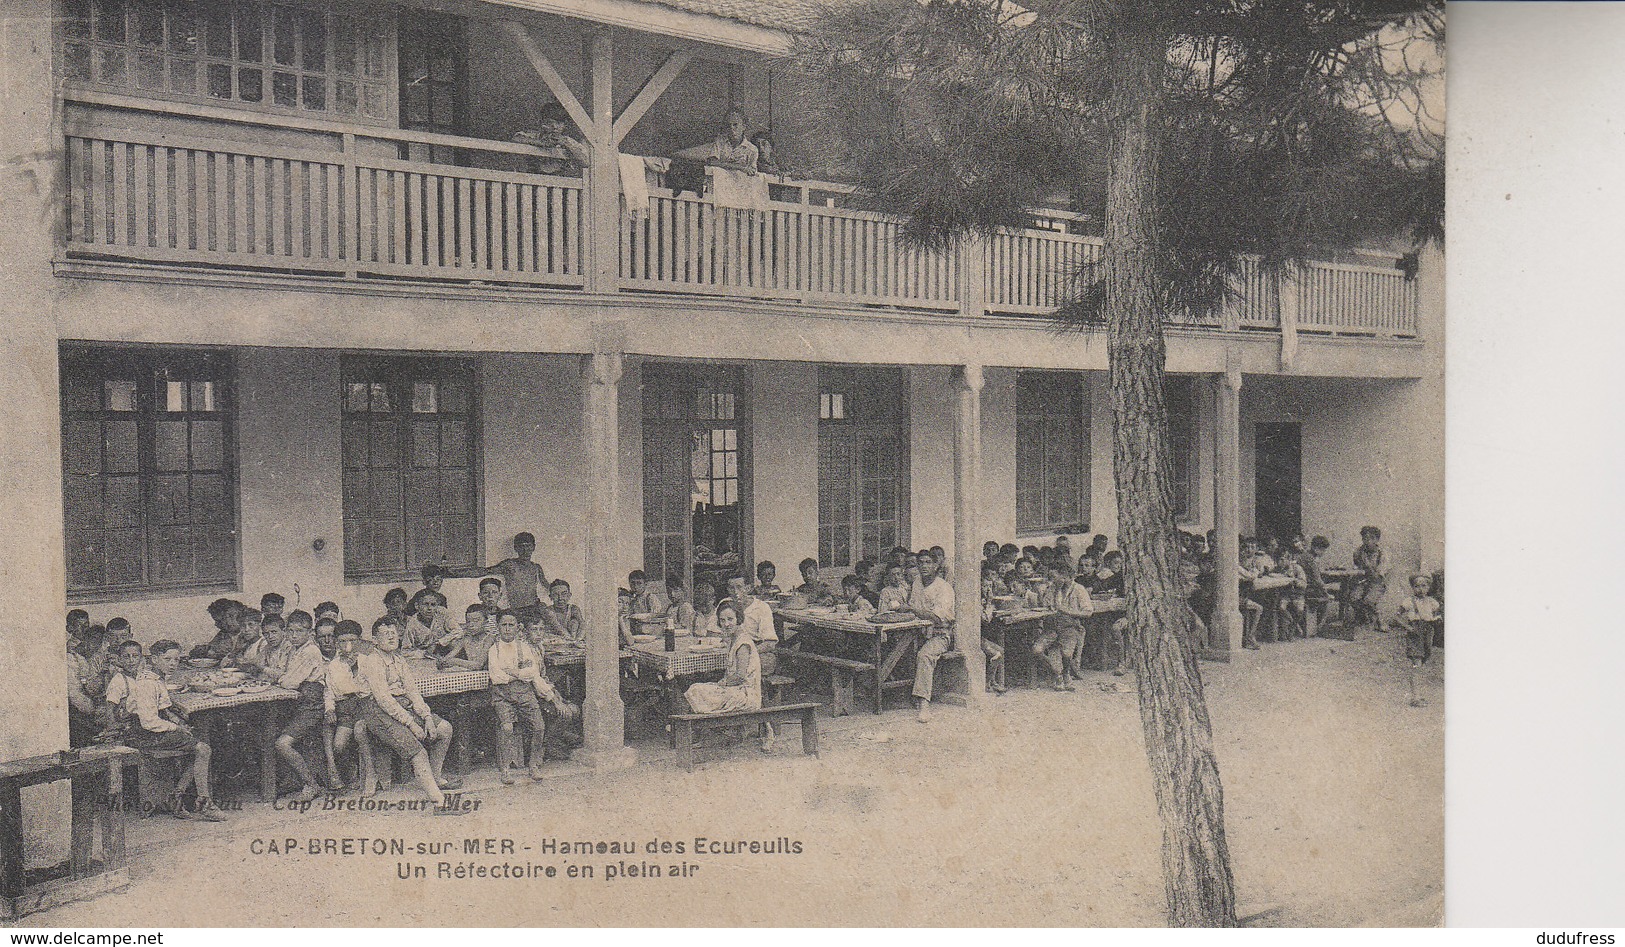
(884, 642)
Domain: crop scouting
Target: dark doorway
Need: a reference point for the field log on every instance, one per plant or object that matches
(1278, 498)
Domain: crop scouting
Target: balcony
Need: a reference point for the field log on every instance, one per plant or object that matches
(345, 204)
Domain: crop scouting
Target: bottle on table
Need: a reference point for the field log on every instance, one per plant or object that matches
(671, 633)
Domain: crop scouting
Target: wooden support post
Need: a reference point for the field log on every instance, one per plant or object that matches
(1225, 633)
(967, 571)
(603, 713)
(604, 177)
(651, 92)
(544, 67)
(973, 275)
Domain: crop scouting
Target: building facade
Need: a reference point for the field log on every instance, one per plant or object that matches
(288, 309)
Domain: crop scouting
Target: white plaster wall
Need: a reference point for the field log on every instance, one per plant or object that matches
(1103, 481)
(630, 494)
(998, 504)
(535, 467)
(784, 435)
(931, 456)
(535, 476)
(1363, 461)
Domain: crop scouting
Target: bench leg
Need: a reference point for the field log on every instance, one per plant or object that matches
(683, 733)
(11, 841)
(840, 683)
(114, 815)
(809, 732)
(83, 790)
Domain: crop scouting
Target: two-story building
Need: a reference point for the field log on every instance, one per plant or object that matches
(288, 309)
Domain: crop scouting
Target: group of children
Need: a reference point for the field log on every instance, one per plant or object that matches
(355, 686)
(1066, 585)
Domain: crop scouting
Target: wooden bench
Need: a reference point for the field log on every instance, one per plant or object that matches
(776, 688)
(842, 675)
(687, 727)
(95, 777)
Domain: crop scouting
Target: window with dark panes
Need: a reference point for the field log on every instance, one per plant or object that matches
(1181, 397)
(148, 470)
(1052, 453)
(862, 463)
(431, 71)
(409, 464)
(696, 473)
(300, 57)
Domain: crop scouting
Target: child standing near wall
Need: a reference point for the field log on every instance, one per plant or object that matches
(1373, 583)
(1419, 620)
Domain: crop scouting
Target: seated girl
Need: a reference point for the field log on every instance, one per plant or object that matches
(741, 686)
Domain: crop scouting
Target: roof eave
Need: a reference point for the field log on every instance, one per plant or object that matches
(665, 21)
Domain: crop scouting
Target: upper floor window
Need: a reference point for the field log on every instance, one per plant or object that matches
(277, 56)
(148, 470)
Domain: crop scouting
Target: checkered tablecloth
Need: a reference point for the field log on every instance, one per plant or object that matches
(832, 622)
(433, 682)
(191, 702)
(653, 656)
(1021, 615)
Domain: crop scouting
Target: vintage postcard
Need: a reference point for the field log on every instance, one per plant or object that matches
(721, 463)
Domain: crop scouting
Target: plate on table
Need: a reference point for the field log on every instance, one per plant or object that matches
(643, 639)
(174, 688)
(226, 691)
(255, 687)
(203, 662)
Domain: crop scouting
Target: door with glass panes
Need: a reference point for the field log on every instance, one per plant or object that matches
(696, 474)
(862, 466)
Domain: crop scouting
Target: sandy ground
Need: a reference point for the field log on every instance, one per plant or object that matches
(1037, 811)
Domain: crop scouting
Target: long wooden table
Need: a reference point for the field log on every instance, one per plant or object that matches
(263, 707)
(1018, 629)
(260, 708)
(900, 635)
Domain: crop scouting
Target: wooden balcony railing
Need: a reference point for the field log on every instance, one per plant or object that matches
(346, 203)
(170, 199)
(792, 251)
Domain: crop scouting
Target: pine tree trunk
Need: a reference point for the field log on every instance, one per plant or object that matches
(1173, 711)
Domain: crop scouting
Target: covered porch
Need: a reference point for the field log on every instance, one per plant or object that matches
(695, 468)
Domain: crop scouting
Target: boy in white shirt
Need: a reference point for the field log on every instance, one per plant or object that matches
(306, 673)
(139, 698)
(1419, 618)
(1061, 642)
(931, 600)
(517, 680)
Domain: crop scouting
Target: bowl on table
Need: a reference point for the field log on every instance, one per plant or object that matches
(226, 691)
(643, 639)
